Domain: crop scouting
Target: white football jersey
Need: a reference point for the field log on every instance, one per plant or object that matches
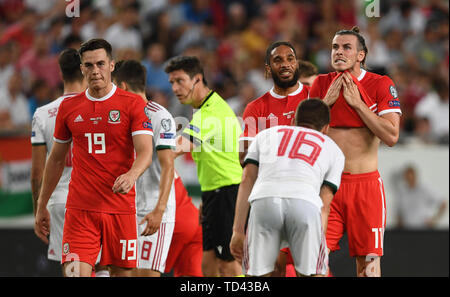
(42, 129)
(147, 185)
(294, 162)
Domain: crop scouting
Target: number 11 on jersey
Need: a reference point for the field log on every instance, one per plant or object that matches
(96, 139)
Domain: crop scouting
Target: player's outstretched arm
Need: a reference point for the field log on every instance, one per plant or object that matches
(143, 145)
(249, 176)
(52, 173)
(154, 218)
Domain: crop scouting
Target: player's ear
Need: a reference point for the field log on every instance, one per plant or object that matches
(123, 85)
(361, 56)
(267, 73)
(112, 65)
(325, 129)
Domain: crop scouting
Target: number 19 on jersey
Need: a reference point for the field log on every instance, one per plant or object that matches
(97, 139)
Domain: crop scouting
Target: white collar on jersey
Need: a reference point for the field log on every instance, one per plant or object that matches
(107, 96)
(275, 95)
(361, 76)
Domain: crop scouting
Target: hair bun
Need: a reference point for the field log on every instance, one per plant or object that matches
(355, 29)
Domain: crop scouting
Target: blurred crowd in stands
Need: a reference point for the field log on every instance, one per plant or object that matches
(409, 41)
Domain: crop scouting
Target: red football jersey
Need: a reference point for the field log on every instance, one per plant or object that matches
(101, 130)
(271, 110)
(377, 91)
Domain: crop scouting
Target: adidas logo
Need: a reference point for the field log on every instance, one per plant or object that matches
(272, 116)
(78, 119)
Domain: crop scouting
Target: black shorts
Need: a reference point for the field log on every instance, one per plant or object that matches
(218, 208)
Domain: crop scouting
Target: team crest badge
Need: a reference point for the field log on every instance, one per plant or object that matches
(114, 117)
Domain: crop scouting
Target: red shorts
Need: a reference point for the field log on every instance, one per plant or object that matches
(86, 233)
(186, 252)
(358, 208)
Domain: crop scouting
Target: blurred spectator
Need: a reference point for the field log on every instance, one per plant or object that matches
(14, 108)
(74, 25)
(11, 11)
(237, 19)
(203, 35)
(163, 30)
(403, 16)
(197, 11)
(153, 62)
(41, 7)
(378, 59)
(246, 94)
(39, 63)
(55, 34)
(421, 129)
(425, 51)
(6, 65)
(158, 97)
(72, 41)
(40, 95)
(286, 16)
(418, 207)
(409, 41)
(96, 26)
(394, 42)
(417, 86)
(124, 33)
(22, 32)
(308, 72)
(435, 107)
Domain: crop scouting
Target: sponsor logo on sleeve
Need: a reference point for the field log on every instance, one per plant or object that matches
(394, 103)
(166, 135)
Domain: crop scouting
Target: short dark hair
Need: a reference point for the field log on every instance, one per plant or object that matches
(131, 72)
(69, 63)
(307, 69)
(275, 45)
(96, 43)
(361, 41)
(312, 113)
(189, 64)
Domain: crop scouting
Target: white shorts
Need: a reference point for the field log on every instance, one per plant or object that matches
(57, 212)
(153, 249)
(274, 221)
